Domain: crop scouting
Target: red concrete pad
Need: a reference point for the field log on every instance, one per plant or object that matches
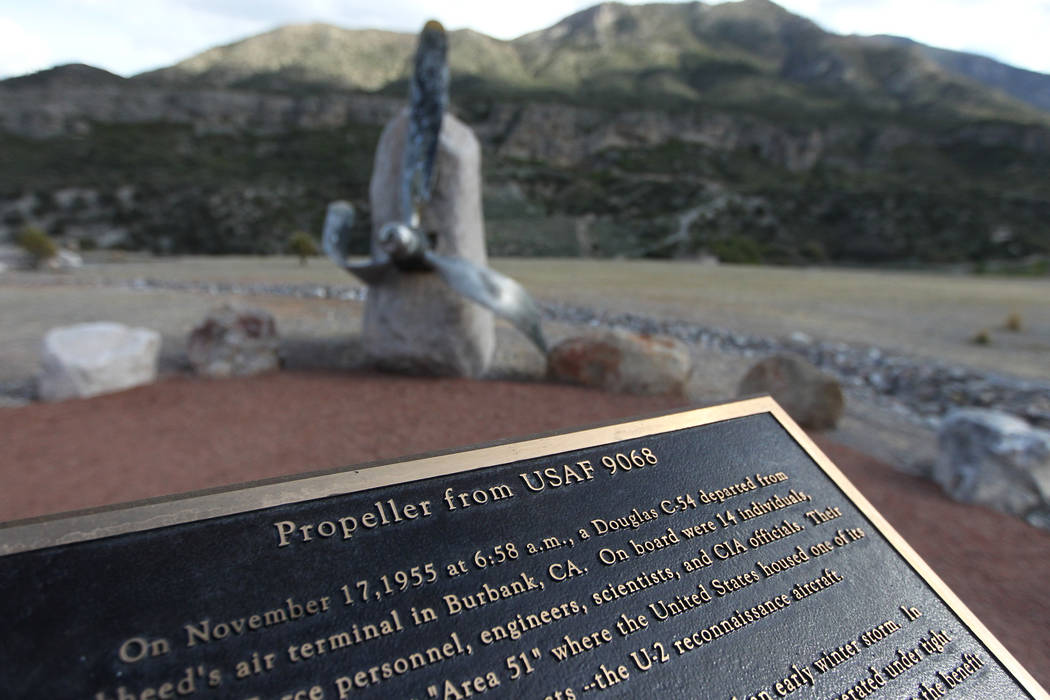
(187, 434)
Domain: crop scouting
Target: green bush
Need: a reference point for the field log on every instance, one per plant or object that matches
(34, 241)
(813, 250)
(302, 244)
(737, 249)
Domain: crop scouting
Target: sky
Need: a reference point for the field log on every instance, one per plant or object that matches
(130, 37)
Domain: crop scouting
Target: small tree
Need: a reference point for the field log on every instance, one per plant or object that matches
(34, 241)
(302, 244)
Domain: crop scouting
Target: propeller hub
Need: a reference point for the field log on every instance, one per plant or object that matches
(400, 241)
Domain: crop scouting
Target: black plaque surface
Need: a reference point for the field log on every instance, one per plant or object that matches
(709, 554)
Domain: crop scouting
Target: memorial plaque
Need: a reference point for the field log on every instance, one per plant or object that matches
(714, 553)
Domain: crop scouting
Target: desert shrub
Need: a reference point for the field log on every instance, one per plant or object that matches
(34, 241)
(1013, 322)
(302, 244)
(813, 250)
(737, 249)
(982, 337)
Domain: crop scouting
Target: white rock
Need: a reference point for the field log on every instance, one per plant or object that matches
(415, 322)
(995, 459)
(96, 358)
(65, 260)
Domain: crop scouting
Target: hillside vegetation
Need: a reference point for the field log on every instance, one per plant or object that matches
(671, 130)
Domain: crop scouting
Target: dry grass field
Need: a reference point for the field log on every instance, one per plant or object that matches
(932, 315)
(928, 314)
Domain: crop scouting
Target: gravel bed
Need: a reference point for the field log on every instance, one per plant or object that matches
(920, 388)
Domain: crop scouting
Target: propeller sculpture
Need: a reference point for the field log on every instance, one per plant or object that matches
(401, 246)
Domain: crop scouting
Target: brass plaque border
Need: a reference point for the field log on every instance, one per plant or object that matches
(55, 530)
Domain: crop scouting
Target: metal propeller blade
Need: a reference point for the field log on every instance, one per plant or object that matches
(337, 222)
(405, 248)
(494, 291)
(429, 99)
(335, 241)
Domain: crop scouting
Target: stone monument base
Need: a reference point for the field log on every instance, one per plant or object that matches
(414, 322)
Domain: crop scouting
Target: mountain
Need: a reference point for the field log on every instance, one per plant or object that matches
(750, 55)
(747, 55)
(1026, 85)
(672, 130)
(302, 56)
(70, 75)
(307, 53)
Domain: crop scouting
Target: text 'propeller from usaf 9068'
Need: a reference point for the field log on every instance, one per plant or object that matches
(402, 247)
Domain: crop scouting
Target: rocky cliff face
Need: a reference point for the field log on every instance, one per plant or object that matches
(54, 111)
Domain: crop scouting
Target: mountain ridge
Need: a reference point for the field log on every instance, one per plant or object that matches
(65, 75)
(733, 55)
(1030, 86)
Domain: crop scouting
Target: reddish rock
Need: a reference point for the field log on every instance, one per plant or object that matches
(234, 341)
(623, 362)
(812, 398)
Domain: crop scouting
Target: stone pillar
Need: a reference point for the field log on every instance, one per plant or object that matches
(414, 322)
